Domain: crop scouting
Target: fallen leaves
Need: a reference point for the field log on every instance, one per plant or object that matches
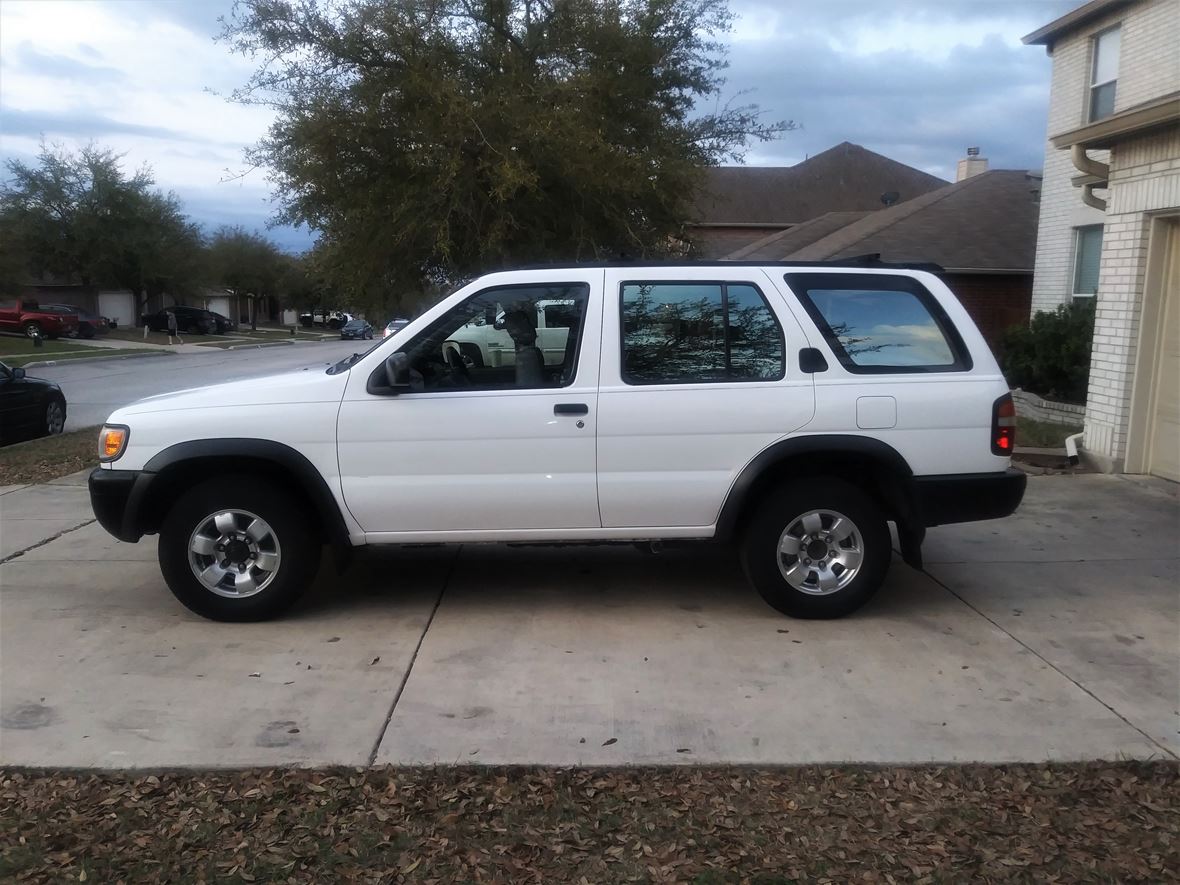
(1097, 821)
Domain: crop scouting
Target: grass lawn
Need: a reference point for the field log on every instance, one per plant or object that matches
(1108, 822)
(1043, 434)
(44, 459)
(13, 346)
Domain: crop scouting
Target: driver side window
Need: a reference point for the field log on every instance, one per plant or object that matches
(507, 338)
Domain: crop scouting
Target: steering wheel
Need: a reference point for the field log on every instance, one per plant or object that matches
(456, 365)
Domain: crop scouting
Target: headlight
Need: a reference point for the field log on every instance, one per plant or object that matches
(112, 440)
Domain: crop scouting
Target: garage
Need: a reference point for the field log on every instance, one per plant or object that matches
(118, 306)
(1163, 430)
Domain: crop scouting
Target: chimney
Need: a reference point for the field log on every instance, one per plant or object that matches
(970, 165)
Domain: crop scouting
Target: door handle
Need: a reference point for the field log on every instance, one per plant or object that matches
(571, 409)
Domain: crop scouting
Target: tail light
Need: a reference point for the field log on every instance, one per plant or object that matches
(1003, 425)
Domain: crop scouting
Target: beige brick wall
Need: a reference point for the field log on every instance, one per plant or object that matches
(1149, 67)
(1144, 180)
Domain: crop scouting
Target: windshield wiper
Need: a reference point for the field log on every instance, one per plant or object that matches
(346, 363)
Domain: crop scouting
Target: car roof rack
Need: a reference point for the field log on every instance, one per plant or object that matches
(871, 260)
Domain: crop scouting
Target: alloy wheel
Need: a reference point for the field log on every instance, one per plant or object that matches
(234, 553)
(820, 552)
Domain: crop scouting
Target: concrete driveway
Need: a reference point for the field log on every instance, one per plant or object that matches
(1050, 635)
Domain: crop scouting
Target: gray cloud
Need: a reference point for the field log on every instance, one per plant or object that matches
(922, 108)
(62, 67)
(81, 125)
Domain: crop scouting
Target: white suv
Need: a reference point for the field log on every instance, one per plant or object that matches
(792, 409)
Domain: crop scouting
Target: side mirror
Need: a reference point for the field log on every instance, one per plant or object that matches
(18, 373)
(397, 372)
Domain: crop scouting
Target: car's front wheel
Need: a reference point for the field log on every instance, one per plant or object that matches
(238, 548)
(817, 548)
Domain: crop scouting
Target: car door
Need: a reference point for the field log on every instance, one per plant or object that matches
(20, 405)
(486, 450)
(699, 374)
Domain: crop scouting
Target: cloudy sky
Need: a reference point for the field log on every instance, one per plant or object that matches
(917, 80)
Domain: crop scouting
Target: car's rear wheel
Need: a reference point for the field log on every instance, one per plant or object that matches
(32, 330)
(238, 549)
(55, 416)
(817, 548)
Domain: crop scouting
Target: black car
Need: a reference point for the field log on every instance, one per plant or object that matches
(223, 323)
(190, 320)
(29, 407)
(89, 324)
(356, 329)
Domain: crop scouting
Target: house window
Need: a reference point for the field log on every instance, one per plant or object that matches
(1105, 73)
(1087, 259)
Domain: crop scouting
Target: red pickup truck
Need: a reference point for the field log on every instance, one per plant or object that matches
(25, 315)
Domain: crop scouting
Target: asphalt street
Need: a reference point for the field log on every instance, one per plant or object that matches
(94, 389)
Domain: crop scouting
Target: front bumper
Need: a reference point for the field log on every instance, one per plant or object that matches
(113, 494)
(968, 497)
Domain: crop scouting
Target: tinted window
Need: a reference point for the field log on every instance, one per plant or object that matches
(880, 324)
(681, 333)
(492, 341)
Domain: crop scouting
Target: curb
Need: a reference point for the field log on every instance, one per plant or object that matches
(250, 346)
(94, 359)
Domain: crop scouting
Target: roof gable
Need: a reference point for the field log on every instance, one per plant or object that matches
(844, 178)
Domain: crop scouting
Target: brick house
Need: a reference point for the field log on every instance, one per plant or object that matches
(1110, 219)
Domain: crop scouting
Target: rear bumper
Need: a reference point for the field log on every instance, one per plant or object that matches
(113, 494)
(968, 497)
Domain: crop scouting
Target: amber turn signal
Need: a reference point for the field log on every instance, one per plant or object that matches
(111, 442)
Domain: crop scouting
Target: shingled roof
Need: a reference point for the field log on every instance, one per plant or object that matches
(781, 242)
(986, 222)
(845, 178)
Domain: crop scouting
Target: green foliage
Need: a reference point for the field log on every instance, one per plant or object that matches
(1051, 356)
(431, 141)
(80, 217)
(246, 264)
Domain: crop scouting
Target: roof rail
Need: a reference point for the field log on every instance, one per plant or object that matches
(871, 260)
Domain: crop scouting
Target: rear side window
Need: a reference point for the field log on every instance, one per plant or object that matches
(881, 324)
(699, 332)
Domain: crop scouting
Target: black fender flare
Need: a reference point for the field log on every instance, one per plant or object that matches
(892, 470)
(311, 481)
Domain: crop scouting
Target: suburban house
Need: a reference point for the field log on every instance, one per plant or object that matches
(981, 230)
(1110, 219)
(741, 204)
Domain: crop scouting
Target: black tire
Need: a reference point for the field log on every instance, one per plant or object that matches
(32, 330)
(292, 528)
(783, 510)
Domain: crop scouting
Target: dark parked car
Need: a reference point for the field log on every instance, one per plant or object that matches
(224, 323)
(356, 329)
(89, 324)
(191, 320)
(29, 407)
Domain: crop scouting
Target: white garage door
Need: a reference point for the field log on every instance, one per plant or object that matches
(118, 306)
(1163, 453)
